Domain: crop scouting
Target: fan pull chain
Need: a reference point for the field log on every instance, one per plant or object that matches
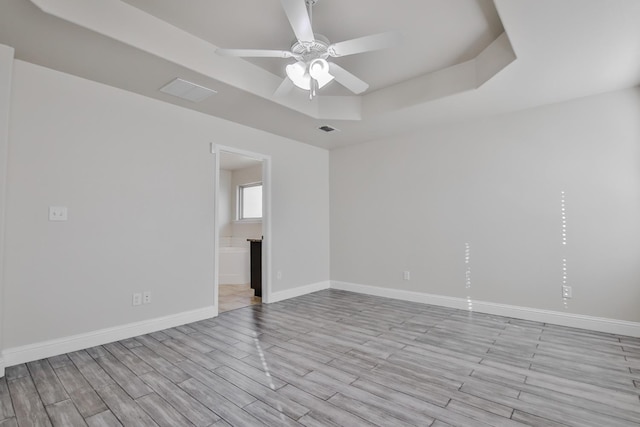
(312, 90)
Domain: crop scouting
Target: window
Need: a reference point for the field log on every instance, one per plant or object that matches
(250, 201)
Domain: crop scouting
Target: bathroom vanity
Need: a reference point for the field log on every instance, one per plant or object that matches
(255, 254)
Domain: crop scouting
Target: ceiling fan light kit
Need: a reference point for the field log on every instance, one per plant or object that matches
(312, 71)
(302, 76)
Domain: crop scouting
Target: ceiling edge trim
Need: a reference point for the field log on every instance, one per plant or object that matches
(449, 81)
(494, 59)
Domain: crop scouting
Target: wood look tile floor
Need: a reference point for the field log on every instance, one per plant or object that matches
(236, 296)
(336, 358)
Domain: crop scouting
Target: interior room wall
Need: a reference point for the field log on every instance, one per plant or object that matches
(6, 67)
(491, 190)
(250, 175)
(137, 177)
(225, 212)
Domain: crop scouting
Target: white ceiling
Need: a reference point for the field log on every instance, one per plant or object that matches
(565, 49)
(462, 29)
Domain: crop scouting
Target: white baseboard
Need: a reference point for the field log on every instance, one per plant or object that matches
(296, 292)
(37, 351)
(600, 324)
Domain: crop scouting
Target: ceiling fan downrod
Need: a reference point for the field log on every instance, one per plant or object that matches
(313, 82)
(310, 4)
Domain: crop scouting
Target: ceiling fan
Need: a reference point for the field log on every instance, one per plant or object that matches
(312, 71)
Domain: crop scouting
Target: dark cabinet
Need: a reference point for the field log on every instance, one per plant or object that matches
(256, 265)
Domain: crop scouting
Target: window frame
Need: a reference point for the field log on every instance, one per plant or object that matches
(240, 201)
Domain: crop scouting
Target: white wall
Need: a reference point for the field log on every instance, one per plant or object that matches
(225, 212)
(137, 177)
(6, 67)
(413, 202)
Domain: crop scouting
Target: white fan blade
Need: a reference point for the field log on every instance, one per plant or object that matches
(365, 44)
(296, 11)
(255, 53)
(284, 88)
(347, 79)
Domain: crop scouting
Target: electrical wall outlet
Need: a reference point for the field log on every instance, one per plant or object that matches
(146, 297)
(566, 291)
(406, 275)
(136, 298)
(279, 275)
(58, 213)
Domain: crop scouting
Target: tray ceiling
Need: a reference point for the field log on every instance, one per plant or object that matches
(459, 59)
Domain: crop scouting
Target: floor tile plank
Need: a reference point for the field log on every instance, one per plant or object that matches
(128, 359)
(27, 405)
(6, 407)
(160, 364)
(16, 371)
(124, 407)
(92, 372)
(269, 416)
(65, 414)
(193, 410)
(220, 385)
(47, 382)
(162, 412)
(224, 408)
(267, 395)
(103, 419)
(321, 412)
(87, 401)
(123, 376)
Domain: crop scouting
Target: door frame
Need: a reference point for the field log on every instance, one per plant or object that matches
(266, 219)
(6, 74)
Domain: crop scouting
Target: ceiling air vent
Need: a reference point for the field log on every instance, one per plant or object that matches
(187, 90)
(327, 128)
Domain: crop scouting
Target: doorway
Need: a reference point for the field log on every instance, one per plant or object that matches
(242, 226)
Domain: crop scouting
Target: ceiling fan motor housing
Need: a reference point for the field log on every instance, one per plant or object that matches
(308, 51)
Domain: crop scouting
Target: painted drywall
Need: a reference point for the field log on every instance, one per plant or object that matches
(137, 177)
(250, 175)
(6, 67)
(224, 210)
(491, 191)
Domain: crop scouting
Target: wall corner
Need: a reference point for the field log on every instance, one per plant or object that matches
(6, 73)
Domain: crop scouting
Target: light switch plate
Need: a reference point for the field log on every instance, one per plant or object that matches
(57, 213)
(136, 298)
